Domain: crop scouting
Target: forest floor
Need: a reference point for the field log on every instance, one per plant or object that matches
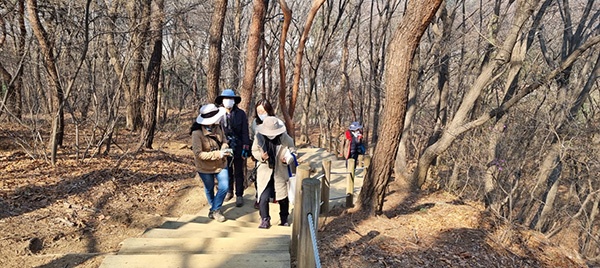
(75, 213)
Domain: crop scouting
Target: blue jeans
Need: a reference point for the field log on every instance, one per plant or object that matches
(215, 201)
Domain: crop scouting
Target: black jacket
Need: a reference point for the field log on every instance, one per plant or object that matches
(237, 126)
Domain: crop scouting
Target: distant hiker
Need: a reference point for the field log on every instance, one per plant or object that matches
(354, 139)
(236, 131)
(262, 109)
(210, 156)
(273, 149)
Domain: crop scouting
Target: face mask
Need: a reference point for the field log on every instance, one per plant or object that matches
(271, 137)
(262, 116)
(228, 103)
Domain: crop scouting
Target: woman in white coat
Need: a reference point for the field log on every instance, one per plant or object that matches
(272, 147)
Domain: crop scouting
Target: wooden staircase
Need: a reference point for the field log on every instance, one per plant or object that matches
(197, 241)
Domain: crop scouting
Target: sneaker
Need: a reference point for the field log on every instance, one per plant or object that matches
(284, 224)
(265, 223)
(256, 205)
(239, 201)
(218, 216)
(210, 215)
(228, 196)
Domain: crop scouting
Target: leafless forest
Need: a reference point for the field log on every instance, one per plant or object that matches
(501, 103)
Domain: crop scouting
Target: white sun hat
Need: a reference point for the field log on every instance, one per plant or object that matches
(210, 114)
(271, 126)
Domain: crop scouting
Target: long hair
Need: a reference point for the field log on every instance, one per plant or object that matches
(268, 108)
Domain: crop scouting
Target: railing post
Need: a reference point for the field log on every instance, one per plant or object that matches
(351, 168)
(366, 163)
(325, 186)
(302, 173)
(310, 205)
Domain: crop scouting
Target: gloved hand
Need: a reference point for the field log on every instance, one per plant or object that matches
(226, 152)
(246, 151)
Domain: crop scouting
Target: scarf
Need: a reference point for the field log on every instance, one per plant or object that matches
(271, 146)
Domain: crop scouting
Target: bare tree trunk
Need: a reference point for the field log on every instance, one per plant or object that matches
(287, 19)
(345, 78)
(139, 23)
(400, 167)
(13, 85)
(316, 4)
(252, 53)
(153, 74)
(57, 113)
(237, 45)
(401, 52)
(213, 72)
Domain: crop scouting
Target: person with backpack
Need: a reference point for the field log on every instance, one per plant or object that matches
(273, 148)
(354, 139)
(211, 150)
(236, 132)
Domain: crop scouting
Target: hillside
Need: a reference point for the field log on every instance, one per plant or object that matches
(74, 214)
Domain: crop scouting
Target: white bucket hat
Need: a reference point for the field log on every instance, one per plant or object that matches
(271, 126)
(210, 114)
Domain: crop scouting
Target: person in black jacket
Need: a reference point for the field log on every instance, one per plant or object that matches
(236, 132)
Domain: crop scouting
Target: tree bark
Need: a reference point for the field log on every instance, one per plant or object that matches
(287, 19)
(139, 23)
(401, 52)
(153, 74)
(252, 52)
(213, 72)
(56, 138)
(316, 4)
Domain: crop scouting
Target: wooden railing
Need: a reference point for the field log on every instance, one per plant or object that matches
(311, 199)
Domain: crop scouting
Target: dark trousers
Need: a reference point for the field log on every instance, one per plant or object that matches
(235, 165)
(263, 203)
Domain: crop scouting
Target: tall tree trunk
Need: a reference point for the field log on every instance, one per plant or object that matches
(139, 24)
(252, 52)
(287, 19)
(237, 45)
(13, 85)
(401, 52)
(213, 72)
(153, 74)
(57, 113)
(400, 167)
(316, 5)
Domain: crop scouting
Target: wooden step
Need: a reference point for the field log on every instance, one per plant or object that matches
(208, 232)
(223, 260)
(205, 245)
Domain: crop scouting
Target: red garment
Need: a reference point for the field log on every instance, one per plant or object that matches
(349, 140)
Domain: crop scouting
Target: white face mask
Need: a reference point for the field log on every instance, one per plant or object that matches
(228, 103)
(271, 137)
(262, 116)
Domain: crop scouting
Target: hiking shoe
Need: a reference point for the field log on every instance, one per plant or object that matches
(228, 196)
(239, 201)
(265, 223)
(217, 215)
(210, 215)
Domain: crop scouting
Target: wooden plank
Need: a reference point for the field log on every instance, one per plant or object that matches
(263, 260)
(204, 245)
